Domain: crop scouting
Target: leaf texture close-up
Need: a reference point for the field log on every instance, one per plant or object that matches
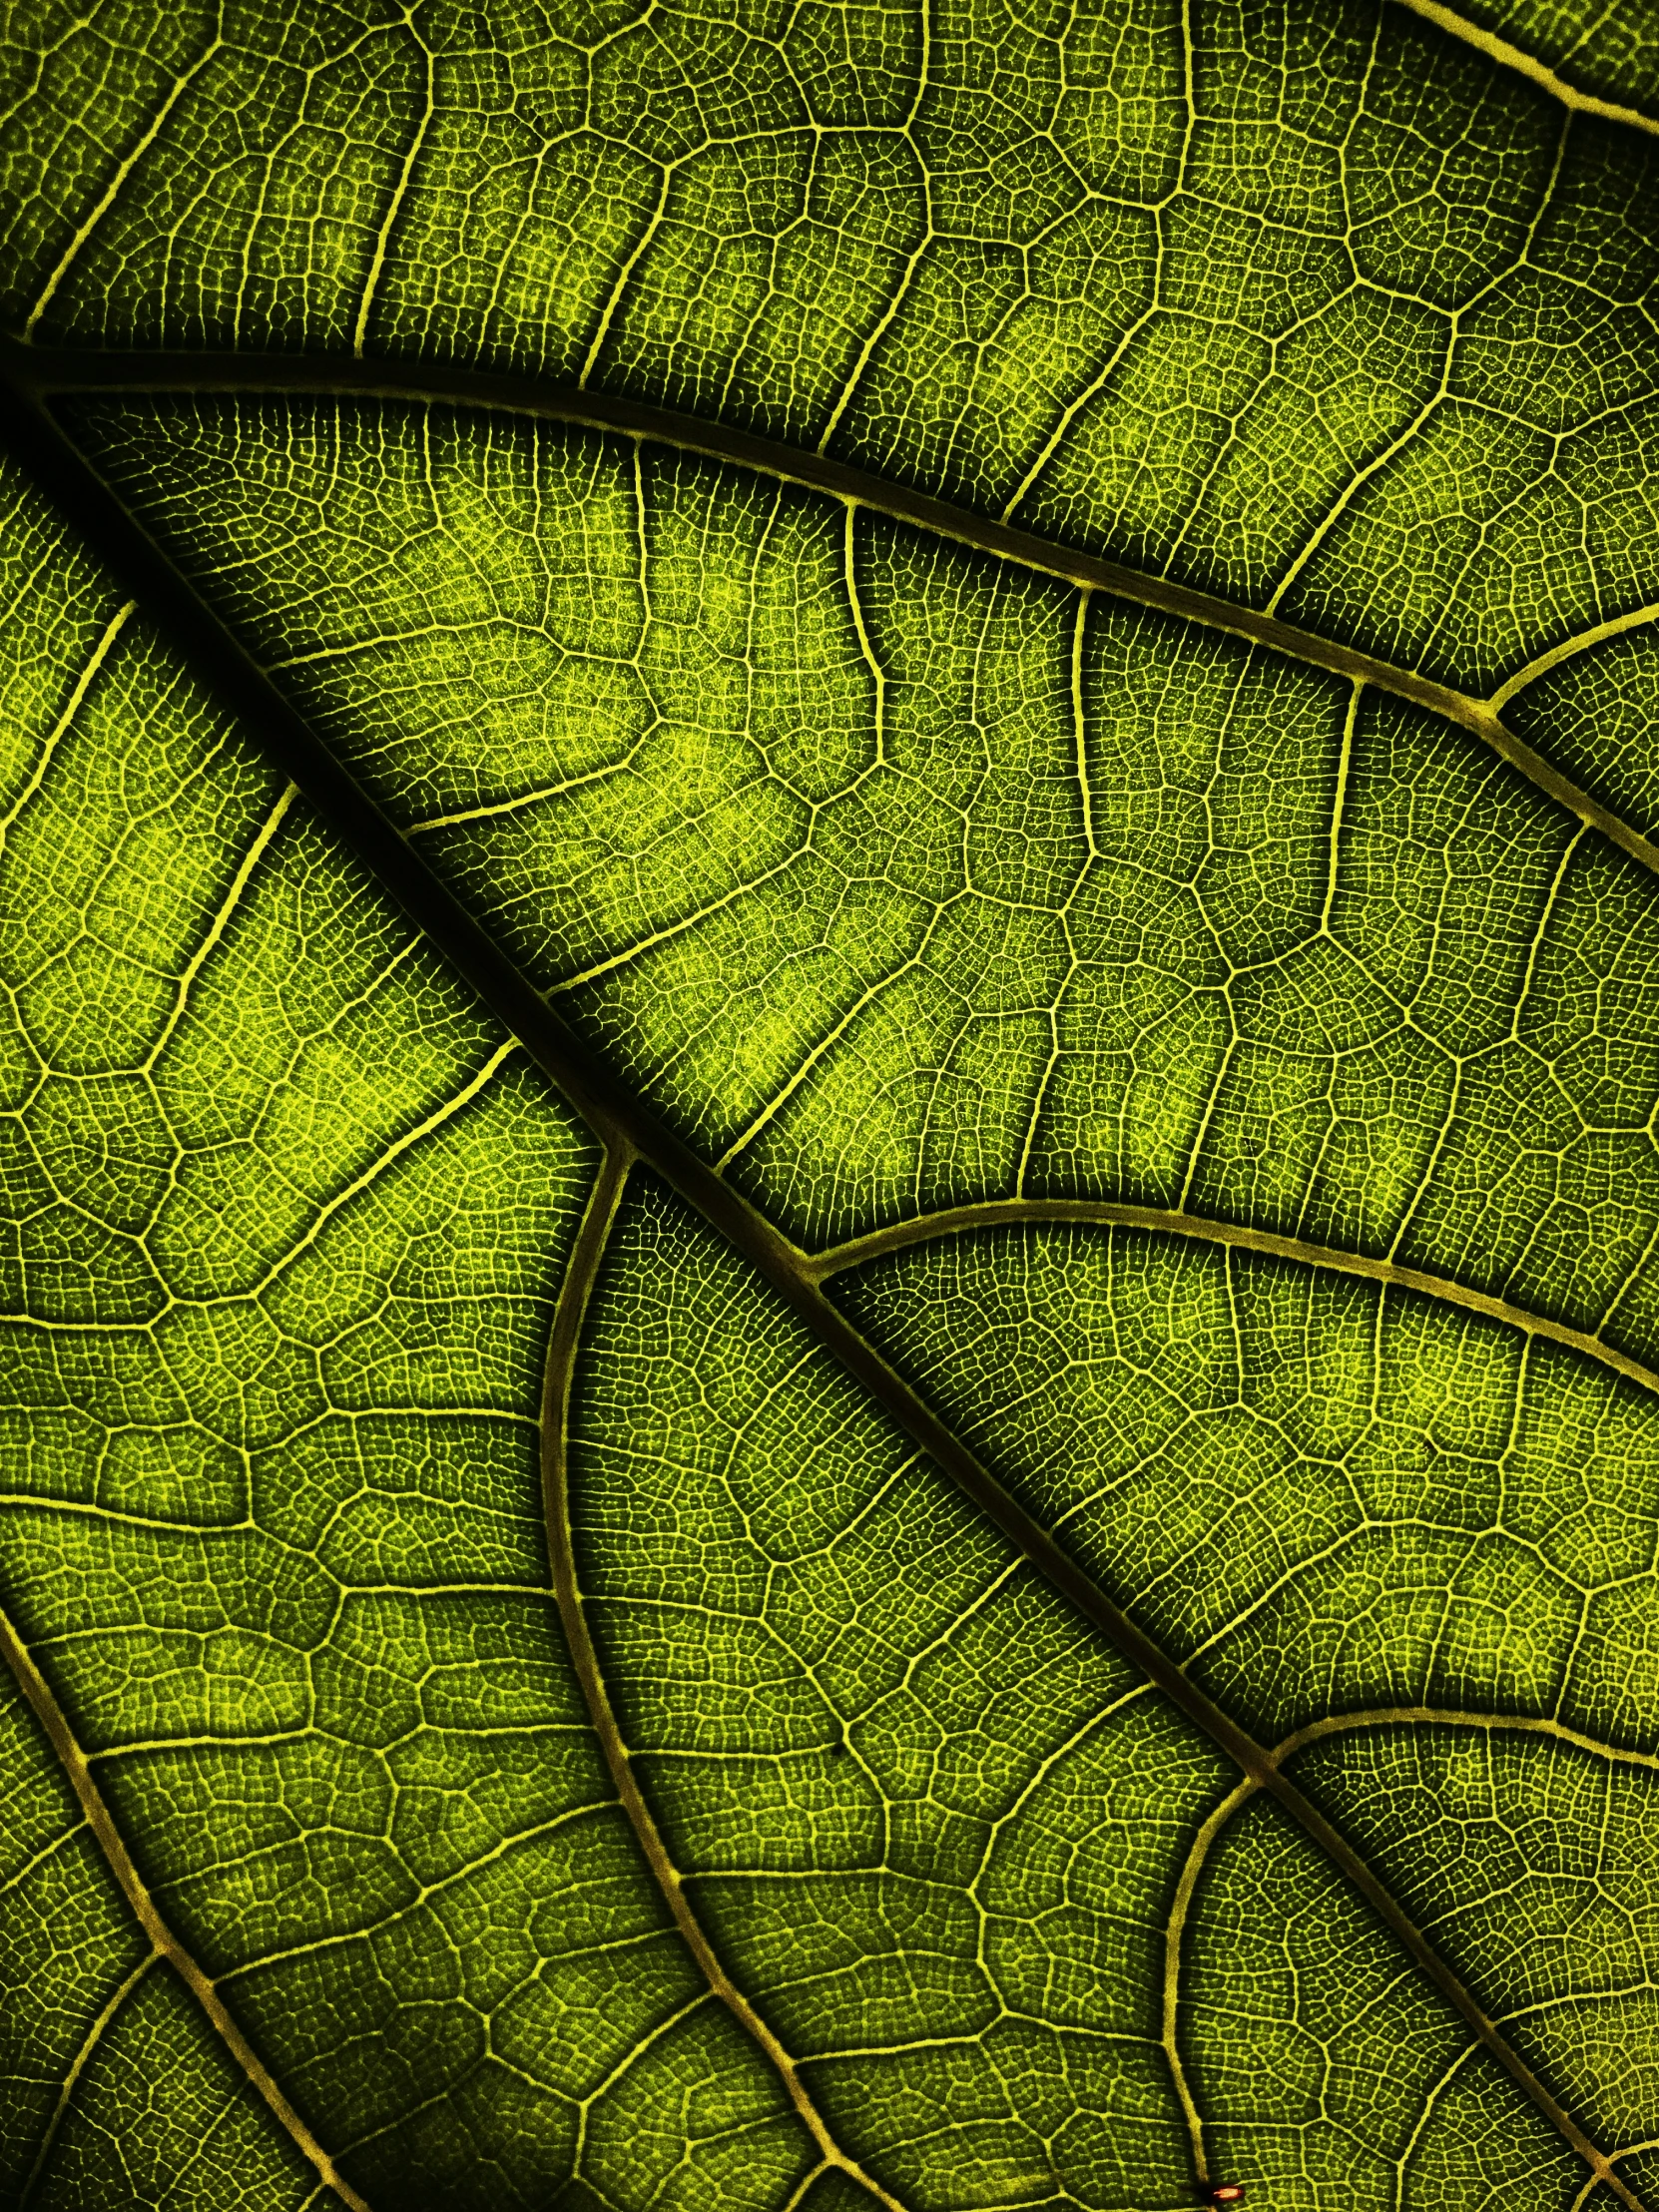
(830, 1042)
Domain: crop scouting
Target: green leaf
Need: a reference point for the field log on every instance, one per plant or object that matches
(829, 1049)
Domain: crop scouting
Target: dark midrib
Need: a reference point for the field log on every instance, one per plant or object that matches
(40, 372)
(624, 1125)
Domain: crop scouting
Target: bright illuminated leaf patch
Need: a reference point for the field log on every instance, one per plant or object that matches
(830, 1044)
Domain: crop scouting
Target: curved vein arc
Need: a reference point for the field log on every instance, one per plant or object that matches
(1004, 1213)
(1569, 649)
(628, 1128)
(1221, 1812)
(1539, 73)
(1175, 1928)
(1451, 1716)
(563, 1346)
(164, 1943)
(1627, 2150)
(36, 373)
(77, 2067)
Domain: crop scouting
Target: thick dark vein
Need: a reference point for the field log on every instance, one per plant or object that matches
(1012, 1213)
(164, 1943)
(564, 1344)
(35, 373)
(624, 1125)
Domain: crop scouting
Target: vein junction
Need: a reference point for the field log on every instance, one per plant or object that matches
(428, 1883)
(965, 1785)
(887, 876)
(889, 879)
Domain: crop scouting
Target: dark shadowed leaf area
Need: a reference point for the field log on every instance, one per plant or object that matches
(830, 1043)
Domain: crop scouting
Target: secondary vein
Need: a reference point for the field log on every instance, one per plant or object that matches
(38, 1691)
(628, 1128)
(36, 373)
(1509, 56)
(1273, 1761)
(77, 2067)
(563, 1346)
(1010, 1213)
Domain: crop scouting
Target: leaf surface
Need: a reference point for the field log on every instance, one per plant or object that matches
(832, 1316)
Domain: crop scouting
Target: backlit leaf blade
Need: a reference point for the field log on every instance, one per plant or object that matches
(935, 1830)
(276, 1334)
(1283, 302)
(1407, 1545)
(901, 883)
(573, 1723)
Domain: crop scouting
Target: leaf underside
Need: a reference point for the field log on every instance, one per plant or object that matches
(831, 1038)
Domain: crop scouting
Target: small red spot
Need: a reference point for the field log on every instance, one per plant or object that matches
(1227, 2192)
